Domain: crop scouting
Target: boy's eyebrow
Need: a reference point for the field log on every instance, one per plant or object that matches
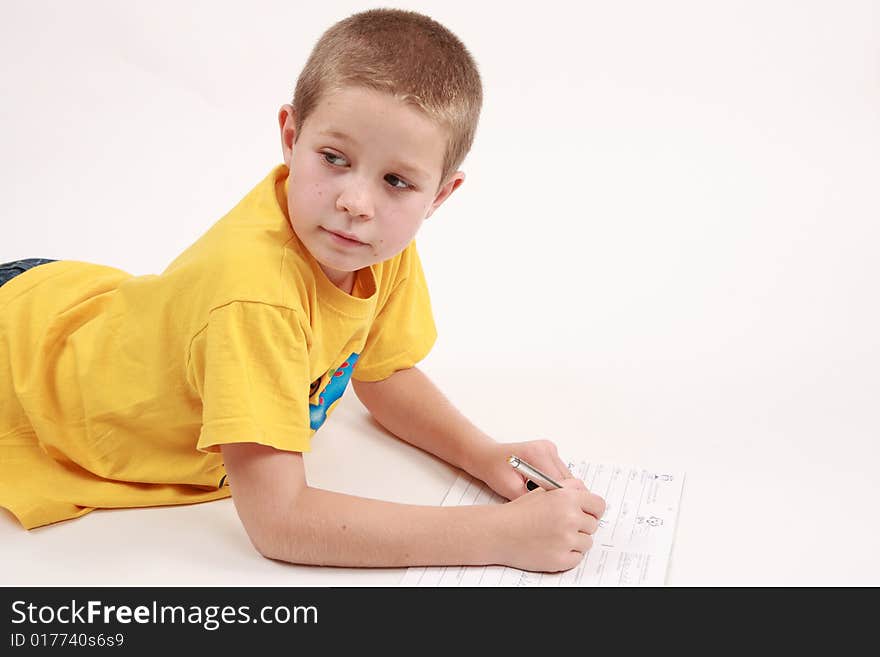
(401, 166)
(338, 135)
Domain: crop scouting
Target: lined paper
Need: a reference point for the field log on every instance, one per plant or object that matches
(632, 546)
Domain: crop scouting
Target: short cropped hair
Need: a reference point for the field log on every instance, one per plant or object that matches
(407, 54)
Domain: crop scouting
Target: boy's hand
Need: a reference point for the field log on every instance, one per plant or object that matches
(552, 530)
(492, 467)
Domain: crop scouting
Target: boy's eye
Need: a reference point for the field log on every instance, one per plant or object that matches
(392, 180)
(330, 156)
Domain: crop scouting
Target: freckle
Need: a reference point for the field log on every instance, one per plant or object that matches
(344, 527)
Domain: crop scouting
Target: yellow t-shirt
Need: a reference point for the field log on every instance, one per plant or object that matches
(118, 390)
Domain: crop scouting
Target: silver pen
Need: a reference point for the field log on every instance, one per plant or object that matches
(532, 474)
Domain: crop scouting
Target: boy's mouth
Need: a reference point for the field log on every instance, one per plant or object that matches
(345, 237)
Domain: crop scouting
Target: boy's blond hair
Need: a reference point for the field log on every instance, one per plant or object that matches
(404, 53)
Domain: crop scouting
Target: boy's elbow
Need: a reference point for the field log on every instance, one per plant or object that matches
(264, 539)
(275, 536)
(285, 533)
(267, 489)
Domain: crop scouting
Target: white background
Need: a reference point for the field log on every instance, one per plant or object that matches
(665, 253)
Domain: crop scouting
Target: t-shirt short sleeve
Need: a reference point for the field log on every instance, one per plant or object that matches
(250, 366)
(403, 331)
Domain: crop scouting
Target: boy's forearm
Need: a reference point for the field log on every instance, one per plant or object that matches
(333, 529)
(411, 407)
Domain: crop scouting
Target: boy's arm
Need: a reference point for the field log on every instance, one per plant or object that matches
(411, 407)
(290, 521)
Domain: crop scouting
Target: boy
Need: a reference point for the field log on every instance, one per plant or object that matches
(211, 379)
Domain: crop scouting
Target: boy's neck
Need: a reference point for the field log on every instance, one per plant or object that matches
(347, 283)
(344, 283)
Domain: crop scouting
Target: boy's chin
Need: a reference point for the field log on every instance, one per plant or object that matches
(340, 266)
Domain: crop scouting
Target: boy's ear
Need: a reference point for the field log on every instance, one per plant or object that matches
(287, 124)
(456, 181)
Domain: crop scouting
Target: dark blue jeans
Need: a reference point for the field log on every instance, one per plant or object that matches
(9, 270)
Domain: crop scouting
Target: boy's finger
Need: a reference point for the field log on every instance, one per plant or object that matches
(590, 524)
(572, 482)
(592, 504)
(564, 472)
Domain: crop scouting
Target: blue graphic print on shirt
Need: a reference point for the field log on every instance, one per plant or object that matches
(333, 391)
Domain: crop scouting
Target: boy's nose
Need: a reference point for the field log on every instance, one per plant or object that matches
(355, 200)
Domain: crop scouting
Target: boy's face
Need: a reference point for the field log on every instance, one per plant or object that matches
(365, 166)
